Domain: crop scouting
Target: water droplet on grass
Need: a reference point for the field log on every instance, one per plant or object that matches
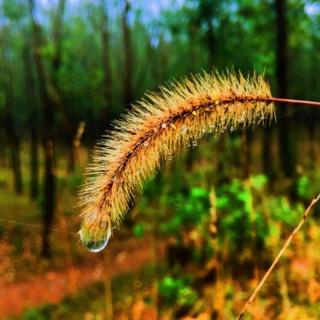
(96, 245)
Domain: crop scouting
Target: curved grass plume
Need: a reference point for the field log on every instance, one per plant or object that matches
(157, 127)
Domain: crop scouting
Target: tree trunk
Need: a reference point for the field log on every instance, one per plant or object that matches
(313, 141)
(13, 138)
(33, 120)
(49, 191)
(267, 162)
(107, 80)
(53, 82)
(48, 142)
(57, 96)
(3, 146)
(247, 153)
(128, 92)
(286, 141)
(57, 37)
(207, 12)
(14, 152)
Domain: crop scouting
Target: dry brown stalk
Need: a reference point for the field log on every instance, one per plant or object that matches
(276, 260)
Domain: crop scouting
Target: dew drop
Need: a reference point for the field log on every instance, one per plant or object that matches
(184, 129)
(96, 245)
(164, 125)
(194, 143)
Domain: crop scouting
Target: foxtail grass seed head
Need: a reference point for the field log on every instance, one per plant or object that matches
(154, 130)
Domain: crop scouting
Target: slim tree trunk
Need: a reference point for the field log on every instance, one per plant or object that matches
(107, 80)
(267, 162)
(13, 138)
(34, 163)
(207, 12)
(53, 82)
(247, 152)
(57, 98)
(3, 145)
(49, 192)
(33, 120)
(14, 152)
(211, 42)
(57, 39)
(312, 134)
(48, 142)
(128, 92)
(286, 141)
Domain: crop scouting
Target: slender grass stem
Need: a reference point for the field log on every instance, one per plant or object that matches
(294, 101)
(276, 260)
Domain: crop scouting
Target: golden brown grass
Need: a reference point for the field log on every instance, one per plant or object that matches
(279, 255)
(157, 127)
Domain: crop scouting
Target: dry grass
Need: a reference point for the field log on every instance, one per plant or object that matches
(279, 255)
(158, 127)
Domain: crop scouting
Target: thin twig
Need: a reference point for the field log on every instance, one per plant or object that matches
(294, 101)
(287, 243)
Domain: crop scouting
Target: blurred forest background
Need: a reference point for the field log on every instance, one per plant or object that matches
(206, 228)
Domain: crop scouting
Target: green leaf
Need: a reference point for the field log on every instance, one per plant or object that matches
(139, 230)
(259, 181)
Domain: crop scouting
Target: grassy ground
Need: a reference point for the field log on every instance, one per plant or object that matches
(222, 237)
(101, 299)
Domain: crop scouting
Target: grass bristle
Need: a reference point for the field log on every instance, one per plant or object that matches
(160, 126)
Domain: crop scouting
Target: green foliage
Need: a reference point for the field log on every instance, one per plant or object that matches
(74, 181)
(33, 314)
(177, 291)
(284, 211)
(304, 187)
(188, 209)
(13, 9)
(139, 230)
(234, 203)
(259, 181)
(242, 218)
